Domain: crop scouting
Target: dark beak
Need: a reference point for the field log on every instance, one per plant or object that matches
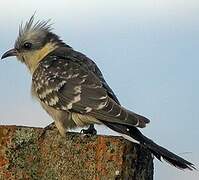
(11, 52)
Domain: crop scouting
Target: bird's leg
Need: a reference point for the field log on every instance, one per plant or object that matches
(51, 126)
(91, 130)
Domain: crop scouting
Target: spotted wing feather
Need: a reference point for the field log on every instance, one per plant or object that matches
(84, 61)
(66, 85)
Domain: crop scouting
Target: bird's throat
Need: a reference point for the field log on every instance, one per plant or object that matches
(32, 59)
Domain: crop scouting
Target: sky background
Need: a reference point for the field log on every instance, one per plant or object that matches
(147, 51)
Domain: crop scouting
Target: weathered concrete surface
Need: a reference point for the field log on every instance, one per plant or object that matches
(76, 157)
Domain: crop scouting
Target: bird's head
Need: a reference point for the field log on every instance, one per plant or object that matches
(34, 42)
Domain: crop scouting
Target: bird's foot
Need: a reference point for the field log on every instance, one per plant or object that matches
(48, 127)
(90, 131)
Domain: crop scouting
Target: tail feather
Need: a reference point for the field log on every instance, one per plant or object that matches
(158, 151)
(173, 159)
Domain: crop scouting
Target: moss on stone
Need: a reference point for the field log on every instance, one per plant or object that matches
(23, 154)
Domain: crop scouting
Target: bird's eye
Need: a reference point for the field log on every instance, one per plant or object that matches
(27, 45)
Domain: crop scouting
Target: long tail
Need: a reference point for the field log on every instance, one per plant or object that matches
(158, 151)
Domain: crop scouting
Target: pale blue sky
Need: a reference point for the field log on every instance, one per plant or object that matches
(147, 51)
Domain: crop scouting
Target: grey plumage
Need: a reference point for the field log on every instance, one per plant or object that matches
(71, 88)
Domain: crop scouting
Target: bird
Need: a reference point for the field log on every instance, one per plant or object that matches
(72, 90)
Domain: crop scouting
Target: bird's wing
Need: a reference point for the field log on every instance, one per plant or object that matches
(93, 67)
(65, 85)
(83, 60)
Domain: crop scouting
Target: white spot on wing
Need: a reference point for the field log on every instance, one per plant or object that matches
(83, 80)
(95, 86)
(70, 105)
(75, 75)
(38, 86)
(103, 97)
(75, 100)
(53, 101)
(88, 109)
(119, 113)
(48, 91)
(65, 64)
(60, 85)
(101, 105)
(69, 76)
(45, 93)
(64, 108)
(84, 76)
(77, 89)
(46, 102)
